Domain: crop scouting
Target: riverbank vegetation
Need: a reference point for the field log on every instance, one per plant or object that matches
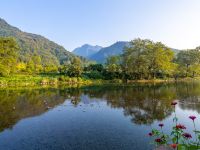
(142, 60)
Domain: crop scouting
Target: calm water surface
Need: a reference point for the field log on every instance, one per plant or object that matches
(92, 118)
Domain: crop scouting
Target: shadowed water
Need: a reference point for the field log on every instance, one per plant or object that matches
(92, 118)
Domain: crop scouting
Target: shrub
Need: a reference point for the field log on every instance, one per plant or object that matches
(53, 81)
(44, 81)
(61, 78)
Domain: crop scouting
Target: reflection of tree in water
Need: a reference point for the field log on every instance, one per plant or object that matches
(75, 95)
(143, 104)
(189, 96)
(18, 104)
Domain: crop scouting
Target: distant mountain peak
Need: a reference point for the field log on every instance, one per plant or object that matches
(86, 45)
(86, 50)
(115, 49)
(3, 21)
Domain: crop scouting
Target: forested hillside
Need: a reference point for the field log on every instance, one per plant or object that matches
(36, 49)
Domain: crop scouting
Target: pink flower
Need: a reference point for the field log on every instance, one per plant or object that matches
(174, 103)
(161, 125)
(150, 134)
(187, 135)
(158, 140)
(180, 126)
(192, 117)
(173, 146)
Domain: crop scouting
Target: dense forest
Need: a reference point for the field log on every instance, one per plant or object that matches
(142, 59)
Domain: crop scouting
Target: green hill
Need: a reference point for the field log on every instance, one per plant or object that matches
(50, 53)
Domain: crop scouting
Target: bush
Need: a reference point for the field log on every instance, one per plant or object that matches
(53, 81)
(95, 75)
(74, 80)
(4, 71)
(116, 81)
(61, 78)
(44, 82)
(3, 82)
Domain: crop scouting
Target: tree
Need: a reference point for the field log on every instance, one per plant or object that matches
(134, 61)
(159, 59)
(8, 56)
(37, 63)
(189, 62)
(94, 67)
(113, 66)
(21, 67)
(146, 59)
(75, 68)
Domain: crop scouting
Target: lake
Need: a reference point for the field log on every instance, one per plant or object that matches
(93, 117)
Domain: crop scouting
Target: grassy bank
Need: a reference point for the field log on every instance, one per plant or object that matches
(49, 80)
(46, 80)
(165, 80)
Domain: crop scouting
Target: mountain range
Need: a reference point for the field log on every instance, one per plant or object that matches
(86, 50)
(102, 54)
(54, 54)
(115, 49)
(32, 44)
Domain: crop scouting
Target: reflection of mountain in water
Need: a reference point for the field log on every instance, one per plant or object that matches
(143, 104)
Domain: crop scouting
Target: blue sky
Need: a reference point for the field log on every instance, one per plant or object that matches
(72, 23)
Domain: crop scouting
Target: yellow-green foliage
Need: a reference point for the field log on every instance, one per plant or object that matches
(8, 56)
(27, 80)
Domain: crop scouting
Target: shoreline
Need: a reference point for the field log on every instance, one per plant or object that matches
(55, 81)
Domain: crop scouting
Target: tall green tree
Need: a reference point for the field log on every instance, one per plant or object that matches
(146, 59)
(189, 62)
(37, 63)
(113, 67)
(75, 69)
(134, 60)
(8, 56)
(159, 59)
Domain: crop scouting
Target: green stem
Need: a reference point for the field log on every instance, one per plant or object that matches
(176, 125)
(195, 131)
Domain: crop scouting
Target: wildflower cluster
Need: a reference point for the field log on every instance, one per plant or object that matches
(179, 138)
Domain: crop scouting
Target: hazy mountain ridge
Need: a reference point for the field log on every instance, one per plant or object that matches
(86, 50)
(115, 49)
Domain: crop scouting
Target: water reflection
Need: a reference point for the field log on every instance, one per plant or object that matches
(144, 104)
(18, 104)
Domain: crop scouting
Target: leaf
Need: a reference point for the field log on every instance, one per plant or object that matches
(196, 131)
(182, 147)
(174, 139)
(175, 119)
(199, 137)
